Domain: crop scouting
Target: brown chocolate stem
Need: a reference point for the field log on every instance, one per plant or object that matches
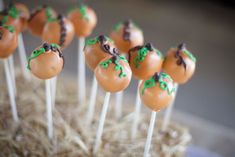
(180, 61)
(63, 30)
(126, 30)
(106, 47)
(34, 13)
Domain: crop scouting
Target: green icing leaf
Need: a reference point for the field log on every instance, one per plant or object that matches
(141, 54)
(117, 26)
(158, 53)
(35, 54)
(56, 46)
(83, 11)
(162, 83)
(49, 15)
(105, 64)
(190, 55)
(13, 12)
(91, 41)
(4, 20)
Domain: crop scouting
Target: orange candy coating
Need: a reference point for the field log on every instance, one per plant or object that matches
(180, 64)
(24, 14)
(97, 49)
(59, 31)
(38, 19)
(84, 20)
(8, 41)
(145, 61)
(157, 92)
(46, 61)
(127, 35)
(113, 74)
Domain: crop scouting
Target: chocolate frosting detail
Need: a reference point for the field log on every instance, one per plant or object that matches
(105, 46)
(180, 61)
(35, 12)
(63, 30)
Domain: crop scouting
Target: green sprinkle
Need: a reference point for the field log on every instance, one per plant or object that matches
(190, 55)
(162, 84)
(105, 64)
(141, 54)
(35, 54)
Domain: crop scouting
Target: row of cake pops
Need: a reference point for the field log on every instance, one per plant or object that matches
(114, 73)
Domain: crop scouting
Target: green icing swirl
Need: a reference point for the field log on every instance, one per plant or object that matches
(105, 64)
(162, 83)
(38, 52)
(190, 55)
(95, 40)
(141, 54)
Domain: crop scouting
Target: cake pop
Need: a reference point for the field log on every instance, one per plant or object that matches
(157, 91)
(38, 19)
(97, 49)
(127, 35)
(10, 16)
(23, 13)
(46, 61)
(145, 61)
(59, 31)
(113, 73)
(8, 38)
(180, 64)
(84, 20)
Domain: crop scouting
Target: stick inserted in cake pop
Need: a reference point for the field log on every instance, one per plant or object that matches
(114, 75)
(45, 63)
(95, 50)
(84, 20)
(156, 93)
(180, 64)
(144, 62)
(8, 43)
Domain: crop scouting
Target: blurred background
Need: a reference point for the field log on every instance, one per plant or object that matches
(206, 104)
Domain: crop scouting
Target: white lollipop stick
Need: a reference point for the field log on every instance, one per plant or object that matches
(91, 105)
(10, 91)
(136, 113)
(118, 104)
(101, 123)
(23, 57)
(150, 134)
(81, 72)
(168, 112)
(49, 109)
(12, 72)
(53, 90)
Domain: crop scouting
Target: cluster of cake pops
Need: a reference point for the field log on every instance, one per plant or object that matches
(113, 60)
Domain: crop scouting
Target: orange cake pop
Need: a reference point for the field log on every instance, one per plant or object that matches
(84, 20)
(127, 35)
(10, 16)
(59, 31)
(180, 64)
(158, 91)
(113, 73)
(97, 49)
(24, 14)
(38, 19)
(46, 61)
(145, 61)
(8, 41)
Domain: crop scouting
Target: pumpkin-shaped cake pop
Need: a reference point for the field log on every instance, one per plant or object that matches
(59, 31)
(11, 17)
(127, 35)
(46, 61)
(84, 20)
(23, 13)
(38, 19)
(8, 41)
(180, 64)
(158, 91)
(97, 49)
(145, 61)
(113, 73)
